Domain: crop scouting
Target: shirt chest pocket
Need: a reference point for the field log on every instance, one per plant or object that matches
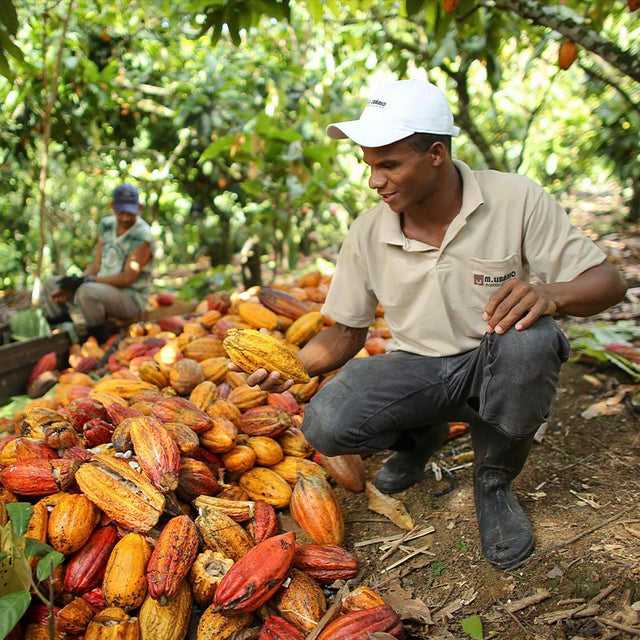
(487, 276)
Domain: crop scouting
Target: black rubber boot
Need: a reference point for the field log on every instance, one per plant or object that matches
(100, 332)
(406, 468)
(505, 531)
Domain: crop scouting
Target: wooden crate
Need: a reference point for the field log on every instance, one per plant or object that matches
(17, 359)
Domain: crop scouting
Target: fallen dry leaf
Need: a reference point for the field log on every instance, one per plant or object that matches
(389, 507)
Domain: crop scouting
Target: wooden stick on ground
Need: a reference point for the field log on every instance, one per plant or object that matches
(411, 555)
(616, 625)
(523, 603)
(564, 543)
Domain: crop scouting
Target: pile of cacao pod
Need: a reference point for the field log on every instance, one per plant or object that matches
(160, 478)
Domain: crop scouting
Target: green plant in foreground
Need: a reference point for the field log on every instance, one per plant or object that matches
(17, 580)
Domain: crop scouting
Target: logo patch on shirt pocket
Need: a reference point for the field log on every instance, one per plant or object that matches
(486, 276)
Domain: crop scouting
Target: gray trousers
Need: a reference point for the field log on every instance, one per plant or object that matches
(374, 403)
(93, 300)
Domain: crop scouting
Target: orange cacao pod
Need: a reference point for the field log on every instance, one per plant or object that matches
(180, 410)
(239, 459)
(305, 328)
(257, 315)
(221, 533)
(221, 436)
(567, 54)
(38, 522)
(204, 348)
(224, 409)
(123, 388)
(156, 452)
(315, 507)
(86, 567)
(150, 371)
(195, 479)
(449, 5)
(361, 598)
(125, 495)
(304, 392)
(268, 451)
(71, 523)
(216, 625)
(39, 477)
(294, 443)
(204, 394)
(261, 483)
(125, 580)
(215, 369)
(246, 397)
(291, 467)
(325, 562)
(357, 625)
(172, 557)
(265, 420)
(347, 471)
(185, 376)
(301, 601)
(186, 438)
(168, 621)
(253, 579)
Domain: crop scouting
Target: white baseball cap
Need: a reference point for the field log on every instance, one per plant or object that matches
(396, 111)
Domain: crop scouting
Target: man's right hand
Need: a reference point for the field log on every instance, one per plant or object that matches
(270, 382)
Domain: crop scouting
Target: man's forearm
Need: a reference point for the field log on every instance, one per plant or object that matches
(331, 348)
(593, 291)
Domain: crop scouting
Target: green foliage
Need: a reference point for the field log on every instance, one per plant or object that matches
(472, 625)
(16, 580)
(29, 323)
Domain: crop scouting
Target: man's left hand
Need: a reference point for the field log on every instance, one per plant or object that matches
(516, 303)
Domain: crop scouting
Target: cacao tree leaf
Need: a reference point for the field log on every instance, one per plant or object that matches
(12, 607)
(48, 564)
(34, 548)
(9, 16)
(19, 514)
(15, 569)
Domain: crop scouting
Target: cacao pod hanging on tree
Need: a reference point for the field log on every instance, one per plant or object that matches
(567, 53)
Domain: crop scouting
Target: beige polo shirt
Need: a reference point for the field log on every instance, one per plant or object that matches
(508, 227)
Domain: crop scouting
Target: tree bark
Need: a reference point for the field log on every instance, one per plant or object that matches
(548, 16)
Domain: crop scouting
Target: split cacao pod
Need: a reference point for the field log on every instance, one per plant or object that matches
(125, 495)
(113, 623)
(172, 557)
(206, 573)
(253, 579)
(251, 350)
(39, 477)
(238, 510)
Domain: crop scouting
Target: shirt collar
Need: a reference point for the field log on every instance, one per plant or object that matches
(472, 198)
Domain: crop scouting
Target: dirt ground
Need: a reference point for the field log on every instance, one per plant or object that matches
(581, 490)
